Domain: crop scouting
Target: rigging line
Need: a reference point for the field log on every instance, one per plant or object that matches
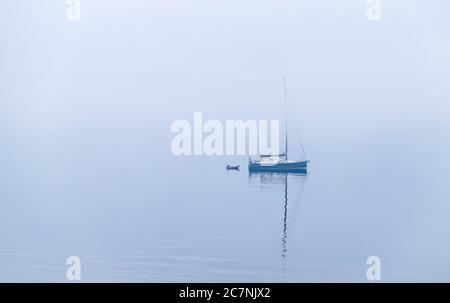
(301, 143)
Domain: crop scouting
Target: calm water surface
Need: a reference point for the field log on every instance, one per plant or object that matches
(100, 182)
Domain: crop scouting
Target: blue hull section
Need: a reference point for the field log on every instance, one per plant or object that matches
(299, 167)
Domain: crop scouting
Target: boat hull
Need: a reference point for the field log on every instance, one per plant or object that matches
(298, 166)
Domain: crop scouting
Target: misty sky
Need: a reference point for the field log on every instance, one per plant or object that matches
(134, 61)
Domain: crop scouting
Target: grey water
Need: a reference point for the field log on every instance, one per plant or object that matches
(103, 185)
(86, 167)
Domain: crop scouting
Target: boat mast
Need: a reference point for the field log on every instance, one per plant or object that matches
(285, 118)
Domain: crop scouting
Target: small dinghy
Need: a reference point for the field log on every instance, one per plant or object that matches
(229, 167)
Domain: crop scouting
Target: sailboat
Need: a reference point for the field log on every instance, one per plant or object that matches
(280, 162)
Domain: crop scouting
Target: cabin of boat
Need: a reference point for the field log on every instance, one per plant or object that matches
(277, 164)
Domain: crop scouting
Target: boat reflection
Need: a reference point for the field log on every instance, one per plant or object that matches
(273, 181)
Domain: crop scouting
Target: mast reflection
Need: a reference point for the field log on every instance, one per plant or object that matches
(280, 182)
